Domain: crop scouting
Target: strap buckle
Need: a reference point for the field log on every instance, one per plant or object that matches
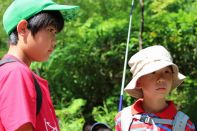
(145, 119)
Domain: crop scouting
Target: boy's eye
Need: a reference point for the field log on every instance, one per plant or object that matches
(168, 71)
(52, 30)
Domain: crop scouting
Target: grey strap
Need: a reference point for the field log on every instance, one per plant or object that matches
(163, 121)
(147, 119)
(7, 60)
(180, 121)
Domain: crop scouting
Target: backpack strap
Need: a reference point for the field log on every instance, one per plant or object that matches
(180, 121)
(7, 60)
(38, 95)
(36, 84)
(126, 118)
(150, 120)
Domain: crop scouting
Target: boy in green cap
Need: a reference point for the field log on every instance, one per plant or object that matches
(25, 102)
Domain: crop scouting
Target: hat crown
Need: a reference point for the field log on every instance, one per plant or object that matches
(24, 9)
(147, 56)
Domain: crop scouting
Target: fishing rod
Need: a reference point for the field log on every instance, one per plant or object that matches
(125, 61)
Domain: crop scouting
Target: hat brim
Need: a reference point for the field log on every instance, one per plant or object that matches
(131, 88)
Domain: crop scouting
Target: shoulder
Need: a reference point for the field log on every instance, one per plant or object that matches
(123, 115)
(14, 68)
(135, 108)
(15, 76)
(118, 122)
(190, 126)
(182, 119)
(13, 65)
(117, 117)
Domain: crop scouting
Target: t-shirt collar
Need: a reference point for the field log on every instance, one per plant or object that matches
(167, 113)
(13, 57)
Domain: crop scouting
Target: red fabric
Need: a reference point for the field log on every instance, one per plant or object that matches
(18, 99)
(168, 113)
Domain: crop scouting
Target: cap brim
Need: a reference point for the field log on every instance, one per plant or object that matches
(68, 11)
(61, 7)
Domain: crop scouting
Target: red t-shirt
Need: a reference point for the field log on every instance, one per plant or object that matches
(18, 99)
(168, 113)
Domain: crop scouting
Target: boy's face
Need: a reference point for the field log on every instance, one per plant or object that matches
(42, 44)
(156, 84)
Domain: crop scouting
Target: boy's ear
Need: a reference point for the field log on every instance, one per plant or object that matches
(22, 27)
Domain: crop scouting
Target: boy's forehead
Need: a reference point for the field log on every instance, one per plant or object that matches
(169, 68)
(166, 68)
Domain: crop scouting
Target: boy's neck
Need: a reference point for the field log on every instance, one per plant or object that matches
(19, 54)
(154, 105)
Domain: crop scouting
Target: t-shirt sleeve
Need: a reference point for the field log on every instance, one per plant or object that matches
(17, 99)
(190, 126)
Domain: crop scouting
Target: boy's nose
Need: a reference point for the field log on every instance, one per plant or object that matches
(53, 42)
(160, 77)
(160, 80)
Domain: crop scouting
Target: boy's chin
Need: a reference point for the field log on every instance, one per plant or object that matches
(161, 95)
(43, 59)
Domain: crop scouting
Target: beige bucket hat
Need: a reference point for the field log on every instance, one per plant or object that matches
(148, 60)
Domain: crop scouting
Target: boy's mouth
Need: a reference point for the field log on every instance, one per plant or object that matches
(50, 51)
(161, 88)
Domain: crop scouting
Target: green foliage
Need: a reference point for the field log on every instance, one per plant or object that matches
(103, 114)
(3, 36)
(3, 5)
(185, 97)
(177, 31)
(71, 116)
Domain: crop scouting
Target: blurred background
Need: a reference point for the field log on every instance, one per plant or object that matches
(85, 70)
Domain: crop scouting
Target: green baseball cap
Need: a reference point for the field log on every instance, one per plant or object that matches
(24, 9)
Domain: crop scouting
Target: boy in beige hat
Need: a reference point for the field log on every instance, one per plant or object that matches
(154, 76)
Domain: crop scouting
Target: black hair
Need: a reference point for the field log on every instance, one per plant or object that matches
(39, 21)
